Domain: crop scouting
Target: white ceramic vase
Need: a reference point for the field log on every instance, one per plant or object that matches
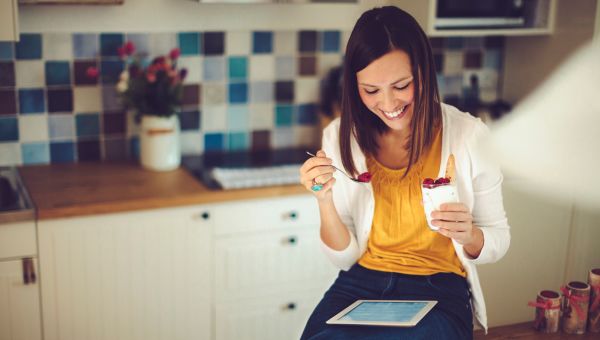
(160, 148)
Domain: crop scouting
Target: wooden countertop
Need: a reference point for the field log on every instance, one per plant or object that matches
(78, 189)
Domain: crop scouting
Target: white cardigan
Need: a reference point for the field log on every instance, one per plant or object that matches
(479, 187)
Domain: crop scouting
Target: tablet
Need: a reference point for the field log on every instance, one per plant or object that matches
(399, 313)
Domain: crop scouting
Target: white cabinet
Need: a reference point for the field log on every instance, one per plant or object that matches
(138, 275)
(20, 317)
(270, 272)
(9, 23)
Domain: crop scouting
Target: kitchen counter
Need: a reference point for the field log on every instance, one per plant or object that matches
(78, 189)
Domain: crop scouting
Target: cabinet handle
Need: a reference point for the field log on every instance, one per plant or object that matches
(290, 306)
(292, 240)
(292, 215)
(202, 216)
(28, 271)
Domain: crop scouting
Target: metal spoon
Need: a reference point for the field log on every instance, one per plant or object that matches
(346, 174)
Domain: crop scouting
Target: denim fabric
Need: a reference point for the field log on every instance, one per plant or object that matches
(451, 318)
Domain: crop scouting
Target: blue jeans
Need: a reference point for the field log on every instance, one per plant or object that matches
(451, 318)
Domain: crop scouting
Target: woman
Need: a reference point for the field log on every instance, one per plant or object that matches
(394, 126)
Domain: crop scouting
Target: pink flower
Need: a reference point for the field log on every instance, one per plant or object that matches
(92, 72)
(129, 48)
(158, 60)
(175, 53)
(151, 77)
(121, 51)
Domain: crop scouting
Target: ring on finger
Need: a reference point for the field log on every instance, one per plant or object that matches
(316, 186)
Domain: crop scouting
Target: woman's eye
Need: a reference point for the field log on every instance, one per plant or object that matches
(401, 87)
(371, 92)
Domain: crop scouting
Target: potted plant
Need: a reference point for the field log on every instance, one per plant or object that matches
(153, 91)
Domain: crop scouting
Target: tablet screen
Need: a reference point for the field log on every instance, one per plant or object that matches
(403, 313)
(385, 311)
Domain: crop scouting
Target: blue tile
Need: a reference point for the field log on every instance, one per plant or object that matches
(61, 126)
(31, 101)
(9, 129)
(238, 93)
(58, 73)
(307, 114)
(110, 43)
(189, 120)
(238, 118)
(134, 147)
(330, 41)
(262, 42)
(110, 70)
(189, 43)
(35, 153)
(492, 59)
(7, 50)
(213, 142)
(62, 152)
(284, 115)
(238, 67)
(85, 46)
(87, 125)
(238, 141)
(30, 46)
(214, 68)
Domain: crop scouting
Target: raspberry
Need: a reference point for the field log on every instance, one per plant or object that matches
(428, 181)
(365, 177)
(444, 180)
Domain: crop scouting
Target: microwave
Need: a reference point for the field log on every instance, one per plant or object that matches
(481, 14)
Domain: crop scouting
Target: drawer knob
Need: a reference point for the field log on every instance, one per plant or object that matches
(292, 240)
(205, 215)
(292, 215)
(290, 306)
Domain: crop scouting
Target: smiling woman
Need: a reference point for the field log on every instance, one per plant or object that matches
(394, 126)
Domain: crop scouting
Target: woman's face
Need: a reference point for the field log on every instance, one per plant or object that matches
(386, 88)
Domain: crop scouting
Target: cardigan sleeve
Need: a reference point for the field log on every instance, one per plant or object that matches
(488, 208)
(344, 258)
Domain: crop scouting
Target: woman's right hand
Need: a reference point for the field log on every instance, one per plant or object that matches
(318, 170)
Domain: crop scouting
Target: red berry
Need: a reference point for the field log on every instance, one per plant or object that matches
(438, 181)
(444, 180)
(365, 177)
(428, 181)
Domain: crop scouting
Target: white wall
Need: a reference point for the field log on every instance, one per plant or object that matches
(177, 15)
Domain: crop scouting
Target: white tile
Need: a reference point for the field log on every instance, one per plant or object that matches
(238, 43)
(282, 138)
(87, 99)
(192, 142)
(262, 67)
(162, 44)
(285, 42)
(327, 62)
(214, 94)
(57, 46)
(344, 41)
(30, 73)
(194, 67)
(33, 128)
(262, 92)
(214, 118)
(10, 154)
(453, 63)
(306, 90)
(285, 67)
(262, 116)
(61, 126)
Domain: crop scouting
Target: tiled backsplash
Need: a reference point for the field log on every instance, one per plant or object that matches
(244, 90)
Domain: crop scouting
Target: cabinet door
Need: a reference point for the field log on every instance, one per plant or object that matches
(19, 304)
(141, 275)
(9, 26)
(279, 317)
(269, 263)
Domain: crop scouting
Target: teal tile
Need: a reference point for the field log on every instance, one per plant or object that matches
(284, 115)
(87, 125)
(239, 141)
(58, 73)
(238, 67)
(29, 46)
(35, 153)
(189, 43)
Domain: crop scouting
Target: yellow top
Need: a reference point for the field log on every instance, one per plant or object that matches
(400, 239)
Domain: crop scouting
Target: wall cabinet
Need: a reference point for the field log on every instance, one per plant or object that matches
(9, 20)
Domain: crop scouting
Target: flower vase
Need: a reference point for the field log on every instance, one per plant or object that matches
(160, 148)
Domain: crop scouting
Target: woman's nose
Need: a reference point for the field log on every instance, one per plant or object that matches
(389, 102)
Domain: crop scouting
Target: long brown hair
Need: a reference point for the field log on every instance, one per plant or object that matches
(376, 33)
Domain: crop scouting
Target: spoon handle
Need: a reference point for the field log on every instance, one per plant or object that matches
(338, 169)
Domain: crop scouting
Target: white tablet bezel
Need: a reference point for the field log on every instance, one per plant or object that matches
(413, 322)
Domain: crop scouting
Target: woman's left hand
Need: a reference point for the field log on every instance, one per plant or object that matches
(456, 222)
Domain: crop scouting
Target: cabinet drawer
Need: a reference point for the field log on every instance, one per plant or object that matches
(265, 214)
(271, 262)
(277, 317)
(17, 239)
